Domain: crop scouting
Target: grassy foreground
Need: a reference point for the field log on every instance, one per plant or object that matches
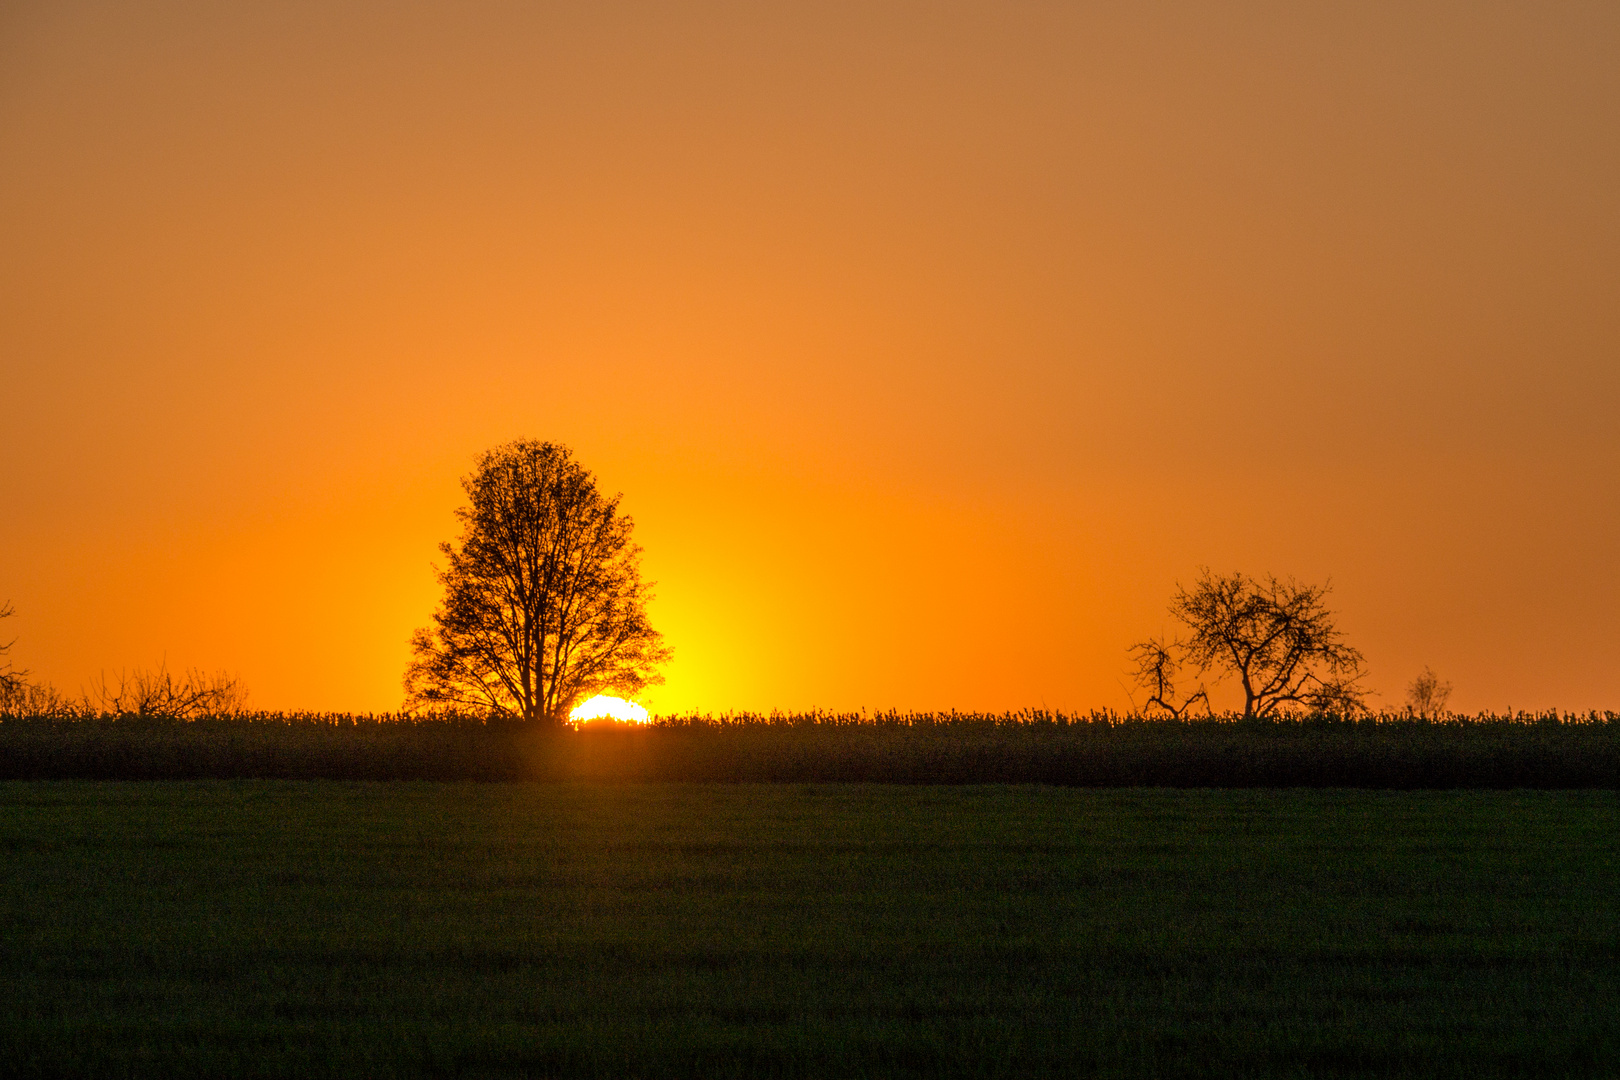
(261, 928)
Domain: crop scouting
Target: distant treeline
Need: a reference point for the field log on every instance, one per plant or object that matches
(1099, 749)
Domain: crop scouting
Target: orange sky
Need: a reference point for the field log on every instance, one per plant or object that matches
(930, 344)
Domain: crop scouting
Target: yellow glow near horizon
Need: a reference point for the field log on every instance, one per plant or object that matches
(603, 706)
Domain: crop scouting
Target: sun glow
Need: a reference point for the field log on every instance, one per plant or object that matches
(603, 707)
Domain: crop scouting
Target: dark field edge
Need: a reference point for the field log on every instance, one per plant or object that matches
(1543, 750)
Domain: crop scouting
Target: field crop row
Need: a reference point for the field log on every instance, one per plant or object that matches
(1101, 750)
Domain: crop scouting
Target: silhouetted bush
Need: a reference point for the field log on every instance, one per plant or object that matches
(1542, 750)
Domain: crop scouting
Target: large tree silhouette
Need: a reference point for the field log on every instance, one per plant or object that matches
(1276, 636)
(543, 599)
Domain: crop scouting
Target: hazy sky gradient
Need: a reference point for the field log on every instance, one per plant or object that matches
(930, 344)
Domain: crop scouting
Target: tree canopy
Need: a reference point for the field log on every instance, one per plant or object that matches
(1426, 695)
(543, 604)
(1275, 635)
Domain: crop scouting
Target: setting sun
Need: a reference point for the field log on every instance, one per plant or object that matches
(604, 707)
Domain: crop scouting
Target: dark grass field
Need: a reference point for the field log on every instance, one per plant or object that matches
(266, 928)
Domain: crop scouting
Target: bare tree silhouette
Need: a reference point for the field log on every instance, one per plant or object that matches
(161, 693)
(543, 605)
(1275, 635)
(1426, 695)
(25, 698)
(21, 696)
(12, 680)
(1157, 666)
